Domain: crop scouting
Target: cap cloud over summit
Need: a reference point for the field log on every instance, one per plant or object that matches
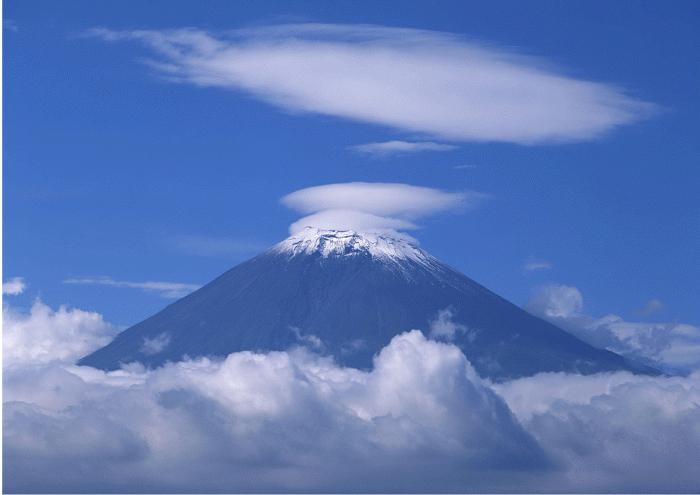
(373, 206)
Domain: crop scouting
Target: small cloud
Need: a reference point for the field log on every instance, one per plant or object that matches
(388, 148)
(168, 290)
(10, 25)
(14, 286)
(215, 246)
(353, 346)
(309, 340)
(652, 306)
(556, 301)
(537, 265)
(464, 167)
(443, 327)
(155, 345)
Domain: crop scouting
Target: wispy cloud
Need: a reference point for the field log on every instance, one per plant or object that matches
(464, 167)
(432, 83)
(537, 265)
(10, 25)
(222, 247)
(389, 148)
(168, 290)
(373, 206)
(14, 286)
(652, 306)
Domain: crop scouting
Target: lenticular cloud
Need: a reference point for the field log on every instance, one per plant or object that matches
(420, 420)
(373, 206)
(416, 81)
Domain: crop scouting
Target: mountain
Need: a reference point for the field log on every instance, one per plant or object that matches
(347, 294)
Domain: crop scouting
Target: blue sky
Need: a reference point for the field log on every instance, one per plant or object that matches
(113, 170)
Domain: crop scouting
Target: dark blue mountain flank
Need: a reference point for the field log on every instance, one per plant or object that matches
(347, 294)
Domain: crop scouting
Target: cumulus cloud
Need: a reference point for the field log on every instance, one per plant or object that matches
(168, 290)
(13, 286)
(365, 206)
(672, 347)
(417, 81)
(613, 432)
(420, 420)
(44, 335)
(388, 148)
(279, 421)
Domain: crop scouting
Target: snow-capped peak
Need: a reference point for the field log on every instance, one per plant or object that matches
(379, 245)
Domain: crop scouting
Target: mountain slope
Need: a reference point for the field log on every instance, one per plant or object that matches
(347, 295)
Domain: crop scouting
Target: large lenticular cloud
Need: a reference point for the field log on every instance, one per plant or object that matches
(416, 81)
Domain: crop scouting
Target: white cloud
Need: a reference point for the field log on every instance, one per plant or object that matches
(444, 327)
(44, 335)
(421, 419)
(556, 301)
(364, 206)
(155, 345)
(14, 286)
(417, 81)
(673, 347)
(279, 421)
(613, 433)
(309, 340)
(400, 147)
(537, 265)
(168, 290)
(350, 220)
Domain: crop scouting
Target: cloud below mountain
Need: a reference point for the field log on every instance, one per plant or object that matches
(416, 81)
(421, 419)
(670, 346)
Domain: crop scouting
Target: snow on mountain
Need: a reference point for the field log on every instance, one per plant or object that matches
(382, 246)
(346, 294)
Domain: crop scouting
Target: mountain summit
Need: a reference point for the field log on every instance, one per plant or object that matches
(346, 294)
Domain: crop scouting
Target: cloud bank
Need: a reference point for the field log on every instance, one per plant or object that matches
(420, 420)
(416, 81)
(365, 206)
(673, 347)
(168, 290)
(279, 421)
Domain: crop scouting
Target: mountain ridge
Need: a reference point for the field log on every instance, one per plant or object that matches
(350, 293)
